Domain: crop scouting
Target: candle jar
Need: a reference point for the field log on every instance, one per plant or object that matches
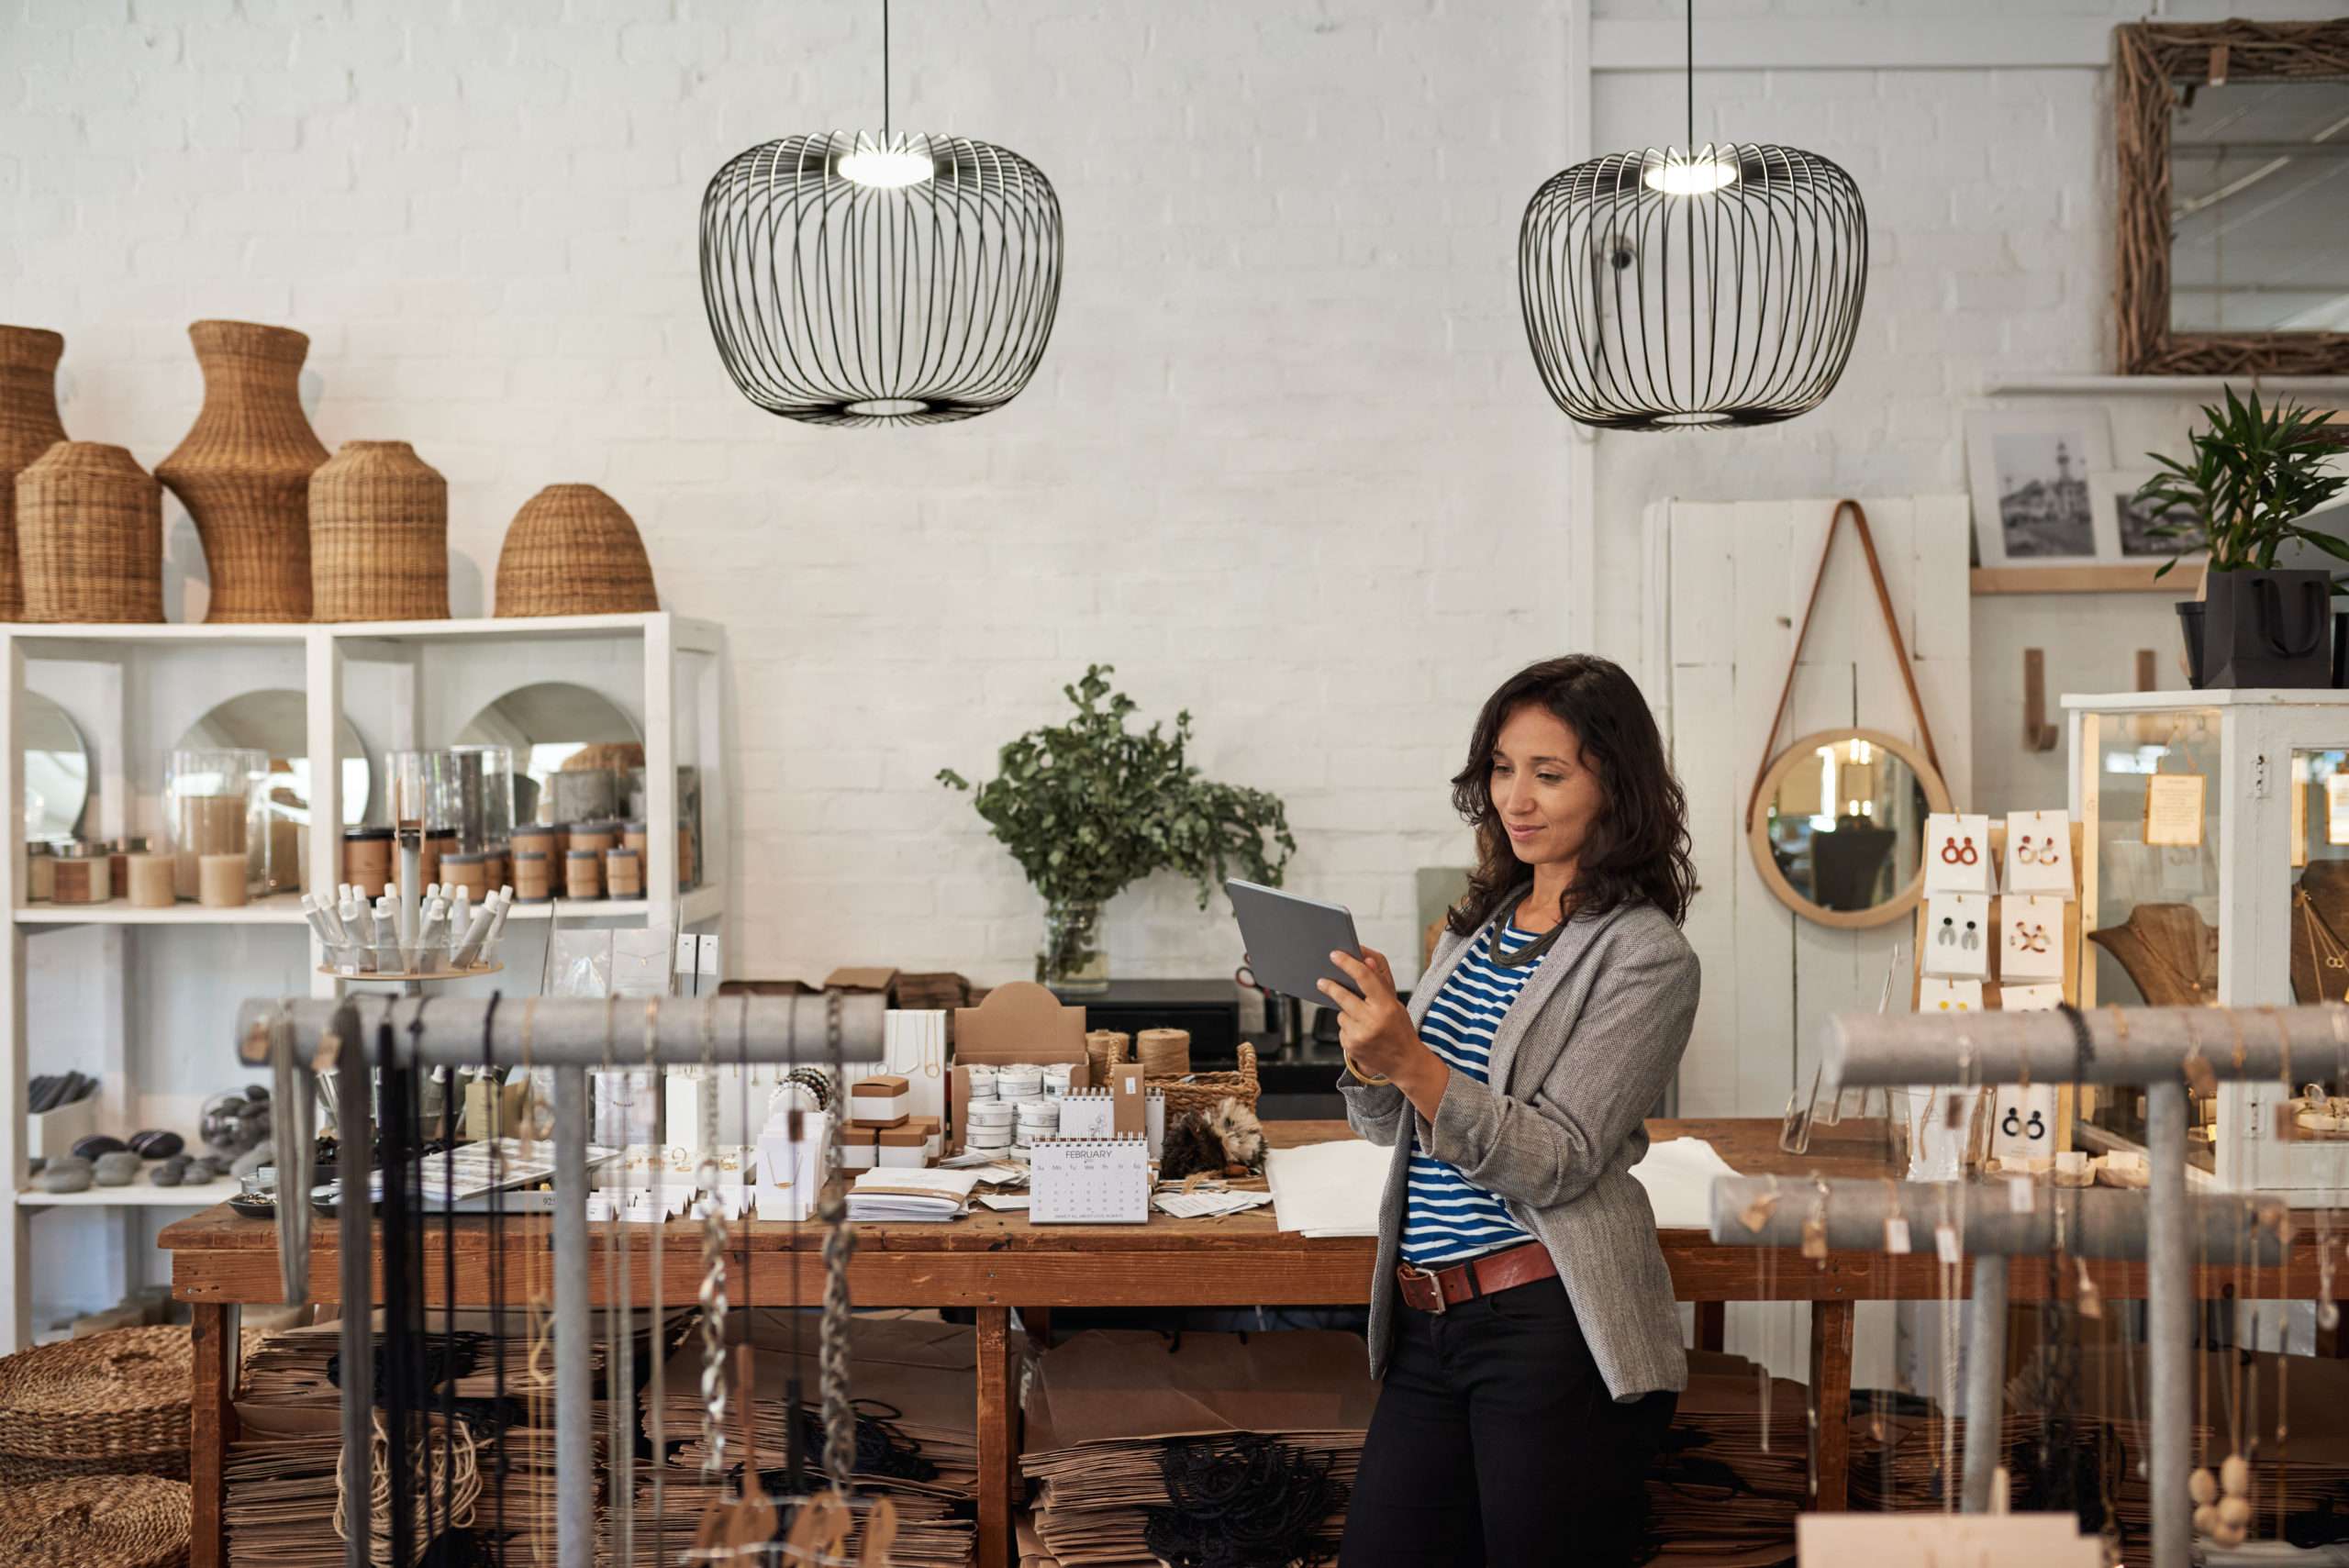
(221, 880)
(148, 881)
(535, 838)
(40, 872)
(636, 835)
(482, 780)
(688, 875)
(216, 803)
(583, 873)
(81, 873)
(533, 879)
(367, 859)
(438, 845)
(623, 873)
(460, 869)
(119, 854)
(596, 836)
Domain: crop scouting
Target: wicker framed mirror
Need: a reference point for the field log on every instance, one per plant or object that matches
(2234, 193)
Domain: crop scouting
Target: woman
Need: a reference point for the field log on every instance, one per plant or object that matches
(1521, 1316)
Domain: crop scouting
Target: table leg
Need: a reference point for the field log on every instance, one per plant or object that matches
(1039, 1321)
(996, 1466)
(212, 1425)
(1831, 1388)
(1712, 1324)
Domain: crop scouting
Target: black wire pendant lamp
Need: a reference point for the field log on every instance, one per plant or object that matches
(1712, 285)
(891, 278)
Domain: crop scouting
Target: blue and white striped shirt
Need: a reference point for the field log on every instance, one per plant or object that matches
(1447, 1218)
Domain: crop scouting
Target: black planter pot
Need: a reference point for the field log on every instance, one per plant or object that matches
(2190, 626)
(2268, 628)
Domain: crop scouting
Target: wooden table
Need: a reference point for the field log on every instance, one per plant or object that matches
(993, 1262)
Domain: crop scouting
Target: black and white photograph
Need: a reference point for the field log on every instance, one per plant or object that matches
(2030, 470)
(2126, 527)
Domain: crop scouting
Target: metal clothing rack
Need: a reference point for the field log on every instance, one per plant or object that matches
(572, 1036)
(2157, 1049)
(2100, 1222)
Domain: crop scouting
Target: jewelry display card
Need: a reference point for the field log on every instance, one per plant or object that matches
(2031, 945)
(2029, 998)
(2173, 809)
(1935, 996)
(2039, 852)
(1088, 1181)
(1957, 935)
(1957, 853)
(913, 1046)
(2022, 1122)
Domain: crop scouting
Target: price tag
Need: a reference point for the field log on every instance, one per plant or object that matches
(1895, 1235)
(1945, 1244)
(2021, 1196)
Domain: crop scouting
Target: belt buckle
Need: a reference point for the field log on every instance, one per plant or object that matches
(1435, 1288)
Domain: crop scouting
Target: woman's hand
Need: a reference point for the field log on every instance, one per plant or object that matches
(1375, 1032)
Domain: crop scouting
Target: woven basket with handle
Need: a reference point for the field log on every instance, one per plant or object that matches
(379, 536)
(112, 1395)
(29, 425)
(1201, 1091)
(573, 550)
(90, 535)
(120, 1521)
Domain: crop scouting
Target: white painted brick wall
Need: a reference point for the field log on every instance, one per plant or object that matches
(1287, 463)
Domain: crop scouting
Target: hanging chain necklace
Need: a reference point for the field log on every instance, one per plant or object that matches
(1527, 955)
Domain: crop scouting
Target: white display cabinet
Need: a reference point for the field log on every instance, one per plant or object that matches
(2265, 759)
(145, 1000)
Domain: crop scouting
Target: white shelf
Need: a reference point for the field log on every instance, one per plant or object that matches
(278, 910)
(141, 1194)
(2168, 386)
(2229, 696)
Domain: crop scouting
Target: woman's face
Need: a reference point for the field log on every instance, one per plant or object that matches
(1545, 798)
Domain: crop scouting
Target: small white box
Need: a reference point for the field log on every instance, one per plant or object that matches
(902, 1147)
(882, 1101)
(858, 1154)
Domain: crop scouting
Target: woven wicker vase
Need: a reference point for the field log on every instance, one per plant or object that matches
(28, 427)
(379, 536)
(573, 550)
(244, 471)
(90, 535)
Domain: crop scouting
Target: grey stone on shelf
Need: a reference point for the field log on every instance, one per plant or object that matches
(65, 1176)
(118, 1169)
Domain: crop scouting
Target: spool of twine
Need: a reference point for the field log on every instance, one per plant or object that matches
(1164, 1053)
(1104, 1049)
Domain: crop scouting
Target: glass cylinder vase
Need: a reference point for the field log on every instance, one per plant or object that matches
(216, 803)
(1074, 958)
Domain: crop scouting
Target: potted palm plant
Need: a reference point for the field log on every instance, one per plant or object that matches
(1088, 806)
(2255, 475)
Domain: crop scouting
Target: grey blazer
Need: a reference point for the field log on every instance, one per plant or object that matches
(1579, 1059)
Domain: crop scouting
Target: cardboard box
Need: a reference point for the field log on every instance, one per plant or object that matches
(883, 981)
(1126, 1098)
(932, 1132)
(901, 1147)
(1018, 1022)
(886, 1100)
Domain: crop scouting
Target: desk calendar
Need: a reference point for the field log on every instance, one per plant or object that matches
(1089, 1180)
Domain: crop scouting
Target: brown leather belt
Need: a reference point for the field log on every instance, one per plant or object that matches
(1438, 1290)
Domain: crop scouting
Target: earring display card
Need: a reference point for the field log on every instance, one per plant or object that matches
(914, 1045)
(2031, 938)
(1936, 996)
(2029, 998)
(1957, 935)
(2039, 852)
(2022, 1122)
(1957, 853)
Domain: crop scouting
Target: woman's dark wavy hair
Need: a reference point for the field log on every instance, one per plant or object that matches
(1637, 849)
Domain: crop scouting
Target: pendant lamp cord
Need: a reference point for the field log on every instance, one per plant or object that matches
(884, 71)
(1691, 72)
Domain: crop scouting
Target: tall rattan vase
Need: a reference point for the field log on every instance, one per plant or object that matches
(573, 550)
(90, 534)
(379, 536)
(28, 427)
(244, 471)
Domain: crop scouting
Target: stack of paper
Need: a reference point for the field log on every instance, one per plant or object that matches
(1329, 1189)
(1679, 1175)
(1208, 1204)
(1105, 1409)
(897, 1195)
(1716, 1496)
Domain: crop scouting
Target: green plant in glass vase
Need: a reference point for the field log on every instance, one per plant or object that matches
(1089, 806)
(2245, 492)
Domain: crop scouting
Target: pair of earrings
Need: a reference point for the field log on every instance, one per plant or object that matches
(1950, 936)
(2037, 853)
(2013, 1126)
(1960, 852)
(2029, 939)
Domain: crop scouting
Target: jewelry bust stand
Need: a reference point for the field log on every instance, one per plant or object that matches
(2161, 1050)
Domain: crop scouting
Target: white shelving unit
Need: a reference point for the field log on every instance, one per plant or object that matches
(107, 989)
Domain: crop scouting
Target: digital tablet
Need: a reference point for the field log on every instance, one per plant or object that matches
(1289, 940)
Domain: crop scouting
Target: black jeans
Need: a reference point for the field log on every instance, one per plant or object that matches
(1495, 1441)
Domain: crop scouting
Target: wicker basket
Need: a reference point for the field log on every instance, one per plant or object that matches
(379, 536)
(108, 1397)
(28, 427)
(244, 470)
(16, 1470)
(133, 1521)
(1201, 1091)
(90, 535)
(572, 550)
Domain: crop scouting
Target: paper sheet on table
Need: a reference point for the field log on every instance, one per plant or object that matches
(1329, 1189)
(1678, 1174)
(1206, 1206)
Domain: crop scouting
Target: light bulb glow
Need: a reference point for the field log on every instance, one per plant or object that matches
(886, 168)
(1683, 174)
